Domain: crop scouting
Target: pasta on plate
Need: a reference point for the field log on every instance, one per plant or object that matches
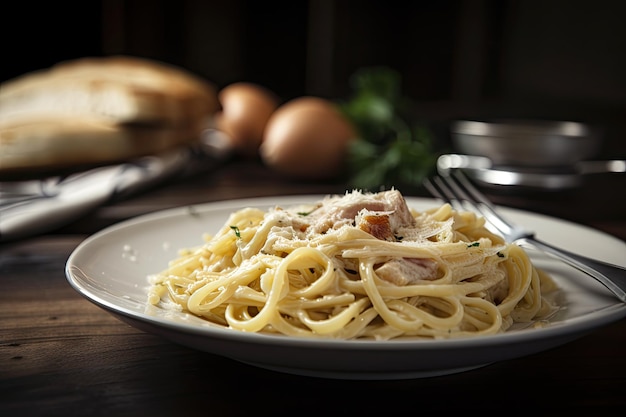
(356, 266)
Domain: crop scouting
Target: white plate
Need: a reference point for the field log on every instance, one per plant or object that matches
(111, 267)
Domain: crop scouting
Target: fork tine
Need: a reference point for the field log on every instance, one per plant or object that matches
(438, 188)
(477, 201)
(456, 189)
(482, 203)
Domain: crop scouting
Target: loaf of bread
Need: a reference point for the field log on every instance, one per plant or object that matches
(98, 110)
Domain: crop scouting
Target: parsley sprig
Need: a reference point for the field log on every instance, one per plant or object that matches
(393, 149)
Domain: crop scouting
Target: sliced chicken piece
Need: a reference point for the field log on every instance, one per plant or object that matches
(337, 212)
(406, 271)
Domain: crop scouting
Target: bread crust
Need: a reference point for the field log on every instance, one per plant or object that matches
(98, 110)
(126, 90)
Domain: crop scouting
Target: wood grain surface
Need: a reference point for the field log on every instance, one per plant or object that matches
(61, 355)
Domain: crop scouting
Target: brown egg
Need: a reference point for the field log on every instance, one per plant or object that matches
(246, 108)
(307, 138)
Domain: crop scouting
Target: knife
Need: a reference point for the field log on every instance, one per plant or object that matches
(31, 207)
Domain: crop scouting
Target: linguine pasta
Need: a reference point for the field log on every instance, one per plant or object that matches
(359, 265)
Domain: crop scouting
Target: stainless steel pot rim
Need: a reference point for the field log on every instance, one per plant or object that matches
(509, 127)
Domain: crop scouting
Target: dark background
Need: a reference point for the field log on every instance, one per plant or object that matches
(551, 59)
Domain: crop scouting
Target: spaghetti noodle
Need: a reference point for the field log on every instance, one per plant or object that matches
(359, 265)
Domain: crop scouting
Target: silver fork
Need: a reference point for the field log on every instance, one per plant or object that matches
(456, 189)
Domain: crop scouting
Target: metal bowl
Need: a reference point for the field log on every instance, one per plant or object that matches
(529, 143)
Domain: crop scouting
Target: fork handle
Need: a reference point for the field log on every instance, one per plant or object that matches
(610, 275)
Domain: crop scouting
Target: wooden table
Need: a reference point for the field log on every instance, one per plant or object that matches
(62, 355)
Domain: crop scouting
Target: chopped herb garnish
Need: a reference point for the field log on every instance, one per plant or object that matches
(500, 255)
(474, 245)
(304, 213)
(236, 230)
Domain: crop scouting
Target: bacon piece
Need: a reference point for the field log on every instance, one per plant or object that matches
(406, 271)
(377, 225)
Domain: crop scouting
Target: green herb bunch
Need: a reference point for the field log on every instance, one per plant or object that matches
(393, 148)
